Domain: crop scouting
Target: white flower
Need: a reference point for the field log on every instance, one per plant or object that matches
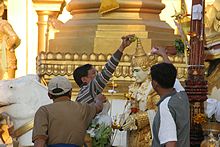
(91, 132)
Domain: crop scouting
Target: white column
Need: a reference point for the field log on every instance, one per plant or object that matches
(32, 38)
(21, 15)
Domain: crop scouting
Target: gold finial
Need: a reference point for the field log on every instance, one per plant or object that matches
(139, 49)
(140, 58)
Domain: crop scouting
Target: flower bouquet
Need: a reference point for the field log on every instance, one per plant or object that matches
(100, 129)
(100, 133)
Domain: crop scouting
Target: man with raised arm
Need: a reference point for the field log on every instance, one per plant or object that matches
(171, 126)
(92, 83)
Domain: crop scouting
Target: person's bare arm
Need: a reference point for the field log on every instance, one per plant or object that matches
(161, 52)
(39, 142)
(170, 144)
(100, 99)
(101, 80)
(126, 41)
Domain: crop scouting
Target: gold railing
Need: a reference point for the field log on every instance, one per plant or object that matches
(52, 64)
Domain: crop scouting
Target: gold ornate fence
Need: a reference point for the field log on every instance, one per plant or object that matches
(52, 64)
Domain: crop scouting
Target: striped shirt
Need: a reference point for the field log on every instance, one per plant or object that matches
(88, 92)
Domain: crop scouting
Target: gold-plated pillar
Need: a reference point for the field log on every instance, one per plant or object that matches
(46, 9)
(42, 29)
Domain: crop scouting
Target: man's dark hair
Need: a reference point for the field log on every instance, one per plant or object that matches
(81, 71)
(57, 90)
(164, 74)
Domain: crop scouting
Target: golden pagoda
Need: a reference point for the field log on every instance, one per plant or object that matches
(91, 32)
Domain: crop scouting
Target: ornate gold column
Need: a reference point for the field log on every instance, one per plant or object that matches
(46, 9)
(88, 31)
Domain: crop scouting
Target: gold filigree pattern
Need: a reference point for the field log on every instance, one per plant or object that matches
(142, 120)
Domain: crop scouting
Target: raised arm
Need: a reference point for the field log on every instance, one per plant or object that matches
(102, 79)
(161, 52)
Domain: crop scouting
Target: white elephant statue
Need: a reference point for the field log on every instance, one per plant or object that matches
(20, 98)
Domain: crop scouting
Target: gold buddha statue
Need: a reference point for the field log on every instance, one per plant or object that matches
(9, 41)
(143, 100)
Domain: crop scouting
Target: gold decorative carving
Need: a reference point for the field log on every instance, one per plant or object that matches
(52, 64)
(212, 24)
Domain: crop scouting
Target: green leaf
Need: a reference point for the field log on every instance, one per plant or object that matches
(102, 136)
(179, 45)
